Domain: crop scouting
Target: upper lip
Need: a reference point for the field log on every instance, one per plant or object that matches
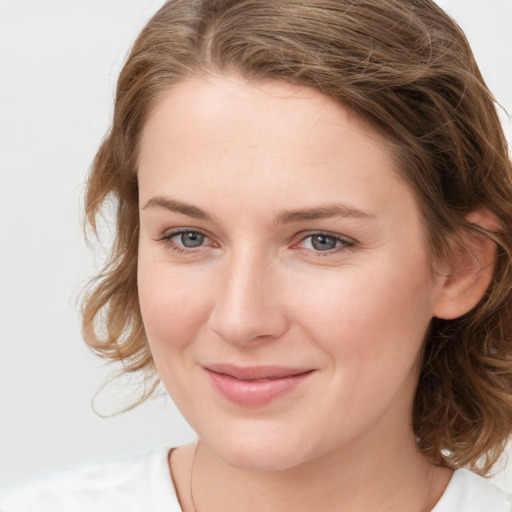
(256, 372)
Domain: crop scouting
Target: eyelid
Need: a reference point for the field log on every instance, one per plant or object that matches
(169, 234)
(347, 242)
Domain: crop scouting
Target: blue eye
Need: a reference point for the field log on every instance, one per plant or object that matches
(325, 242)
(190, 239)
(185, 240)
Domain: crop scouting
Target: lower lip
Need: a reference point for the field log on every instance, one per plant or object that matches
(252, 393)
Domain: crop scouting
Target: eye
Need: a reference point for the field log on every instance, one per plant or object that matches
(186, 240)
(325, 242)
(190, 238)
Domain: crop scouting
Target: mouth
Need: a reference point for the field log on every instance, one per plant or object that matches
(256, 385)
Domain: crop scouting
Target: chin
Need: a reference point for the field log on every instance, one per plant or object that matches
(259, 459)
(263, 452)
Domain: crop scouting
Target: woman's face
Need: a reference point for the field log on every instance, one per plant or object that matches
(283, 273)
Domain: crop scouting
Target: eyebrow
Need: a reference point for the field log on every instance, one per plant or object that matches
(284, 217)
(178, 207)
(322, 212)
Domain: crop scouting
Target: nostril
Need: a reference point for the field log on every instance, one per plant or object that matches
(246, 308)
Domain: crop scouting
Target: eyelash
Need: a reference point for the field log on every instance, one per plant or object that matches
(167, 239)
(345, 242)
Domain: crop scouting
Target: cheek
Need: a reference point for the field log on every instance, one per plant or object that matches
(370, 317)
(173, 306)
(371, 328)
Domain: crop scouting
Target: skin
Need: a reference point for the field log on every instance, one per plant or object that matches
(230, 160)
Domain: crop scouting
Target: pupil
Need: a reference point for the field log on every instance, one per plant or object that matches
(192, 239)
(323, 243)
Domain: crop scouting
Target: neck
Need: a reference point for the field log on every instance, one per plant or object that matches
(390, 477)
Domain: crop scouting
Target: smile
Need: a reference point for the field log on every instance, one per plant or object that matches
(255, 386)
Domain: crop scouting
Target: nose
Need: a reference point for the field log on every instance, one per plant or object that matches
(248, 309)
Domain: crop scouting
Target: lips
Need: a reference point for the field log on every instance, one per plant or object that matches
(255, 385)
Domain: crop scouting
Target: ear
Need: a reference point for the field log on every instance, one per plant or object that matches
(465, 279)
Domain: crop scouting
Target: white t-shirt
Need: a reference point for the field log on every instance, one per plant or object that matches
(142, 483)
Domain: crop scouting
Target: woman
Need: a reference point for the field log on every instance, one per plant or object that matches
(313, 253)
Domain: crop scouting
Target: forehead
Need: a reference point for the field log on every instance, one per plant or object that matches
(274, 141)
(244, 112)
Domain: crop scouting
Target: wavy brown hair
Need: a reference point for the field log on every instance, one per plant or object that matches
(406, 68)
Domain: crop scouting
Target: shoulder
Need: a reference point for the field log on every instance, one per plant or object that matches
(468, 492)
(128, 484)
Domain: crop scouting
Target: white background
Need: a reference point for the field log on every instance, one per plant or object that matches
(59, 60)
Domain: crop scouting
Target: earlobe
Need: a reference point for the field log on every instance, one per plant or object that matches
(471, 270)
